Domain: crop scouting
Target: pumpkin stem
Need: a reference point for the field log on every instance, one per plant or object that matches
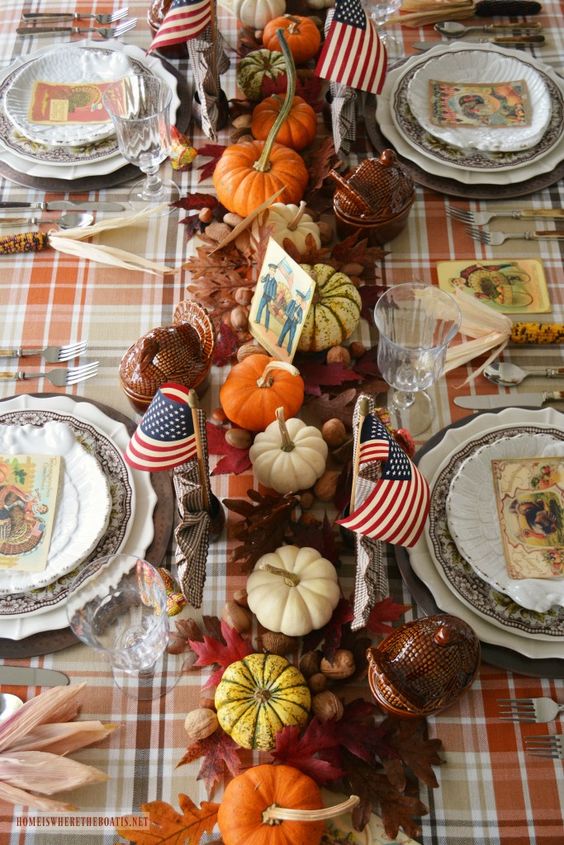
(274, 813)
(293, 224)
(291, 579)
(294, 25)
(287, 444)
(266, 379)
(262, 164)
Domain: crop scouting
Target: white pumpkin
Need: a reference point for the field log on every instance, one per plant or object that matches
(288, 456)
(293, 591)
(291, 222)
(257, 13)
(320, 4)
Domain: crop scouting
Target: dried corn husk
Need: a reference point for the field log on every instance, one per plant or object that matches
(490, 332)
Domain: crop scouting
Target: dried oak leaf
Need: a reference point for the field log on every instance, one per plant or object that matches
(384, 611)
(319, 537)
(320, 158)
(214, 652)
(301, 750)
(226, 346)
(358, 732)
(316, 376)
(326, 407)
(263, 527)
(193, 224)
(168, 825)
(330, 634)
(367, 365)
(214, 153)
(212, 627)
(234, 461)
(220, 757)
(408, 740)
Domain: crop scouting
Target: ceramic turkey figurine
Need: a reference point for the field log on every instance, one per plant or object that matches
(423, 666)
(168, 353)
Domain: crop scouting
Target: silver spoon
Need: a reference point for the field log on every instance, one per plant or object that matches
(510, 375)
(8, 705)
(67, 220)
(453, 29)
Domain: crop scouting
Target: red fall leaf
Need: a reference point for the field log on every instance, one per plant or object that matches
(319, 537)
(328, 375)
(220, 758)
(214, 153)
(212, 652)
(226, 345)
(234, 461)
(370, 294)
(309, 89)
(301, 750)
(196, 201)
(384, 611)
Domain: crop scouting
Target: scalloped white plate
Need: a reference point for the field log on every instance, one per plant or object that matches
(83, 505)
(480, 66)
(473, 522)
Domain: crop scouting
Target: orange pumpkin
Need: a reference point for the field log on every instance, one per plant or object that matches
(275, 805)
(256, 387)
(298, 130)
(304, 38)
(249, 173)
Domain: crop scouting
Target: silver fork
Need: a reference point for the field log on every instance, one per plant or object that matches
(111, 17)
(50, 354)
(497, 238)
(62, 377)
(104, 32)
(529, 709)
(480, 218)
(545, 746)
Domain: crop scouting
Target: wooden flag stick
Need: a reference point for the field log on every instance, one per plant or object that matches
(363, 411)
(204, 480)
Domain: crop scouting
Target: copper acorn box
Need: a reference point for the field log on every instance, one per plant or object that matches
(423, 666)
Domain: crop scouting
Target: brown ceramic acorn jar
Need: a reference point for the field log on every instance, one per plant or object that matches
(180, 353)
(423, 666)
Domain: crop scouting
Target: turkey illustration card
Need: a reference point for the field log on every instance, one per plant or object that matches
(29, 486)
(530, 504)
(281, 303)
(508, 285)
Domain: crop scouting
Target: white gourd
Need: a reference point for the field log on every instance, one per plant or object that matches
(257, 13)
(288, 456)
(291, 222)
(320, 4)
(293, 591)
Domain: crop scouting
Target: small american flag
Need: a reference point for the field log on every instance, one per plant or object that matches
(353, 54)
(184, 20)
(398, 506)
(165, 437)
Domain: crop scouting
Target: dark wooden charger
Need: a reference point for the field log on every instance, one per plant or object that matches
(48, 642)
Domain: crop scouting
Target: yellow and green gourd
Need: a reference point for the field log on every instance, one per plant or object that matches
(258, 696)
(335, 310)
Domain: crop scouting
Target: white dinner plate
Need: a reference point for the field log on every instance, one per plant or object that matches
(468, 66)
(420, 557)
(463, 171)
(36, 167)
(473, 520)
(83, 505)
(140, 527)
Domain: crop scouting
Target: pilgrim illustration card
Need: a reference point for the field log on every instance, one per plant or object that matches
(508, 285)
(281, 303)
(497, 105)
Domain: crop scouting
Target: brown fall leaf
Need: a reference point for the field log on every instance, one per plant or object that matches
(407, 737)
(167, 825)
(321, 158)
(263, 526)
(341, 406)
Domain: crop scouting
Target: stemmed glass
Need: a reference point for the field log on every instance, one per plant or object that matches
(139, 107)
(380, 11)
(416, 322)
(119, 608)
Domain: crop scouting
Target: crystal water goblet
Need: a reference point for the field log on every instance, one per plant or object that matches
(416, 322)
(117, 605)
(139, 107)
(380, 11)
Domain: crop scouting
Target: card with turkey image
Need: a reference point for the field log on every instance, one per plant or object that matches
(281, 303)
(497, 105)
(55, 103)
(508, 285)
(29, 487)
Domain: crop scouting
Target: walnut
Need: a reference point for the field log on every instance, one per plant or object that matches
(250, 348)
(243, 296)
(200, 723)
(237, 617)
(339, 355)
(277, 643)
(326, 486)
(242, 120)
(307, 500)
(240, 598)
(334, 433)
(239, 317)
(317, 683)
(342, 666)
(326, 706)
(309, 663)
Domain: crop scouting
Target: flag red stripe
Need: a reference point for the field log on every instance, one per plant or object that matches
(353, 56)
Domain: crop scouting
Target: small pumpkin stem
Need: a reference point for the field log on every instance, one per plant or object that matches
(287, 442)
(266, 379)
(283, 814)
(291, 579)
(293, 224)
(262, 164)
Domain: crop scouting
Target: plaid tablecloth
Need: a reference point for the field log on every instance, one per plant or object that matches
(490, 792)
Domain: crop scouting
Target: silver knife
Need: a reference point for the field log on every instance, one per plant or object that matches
(63, 205)
(513, 400)
(502, 41)
(27, 676)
